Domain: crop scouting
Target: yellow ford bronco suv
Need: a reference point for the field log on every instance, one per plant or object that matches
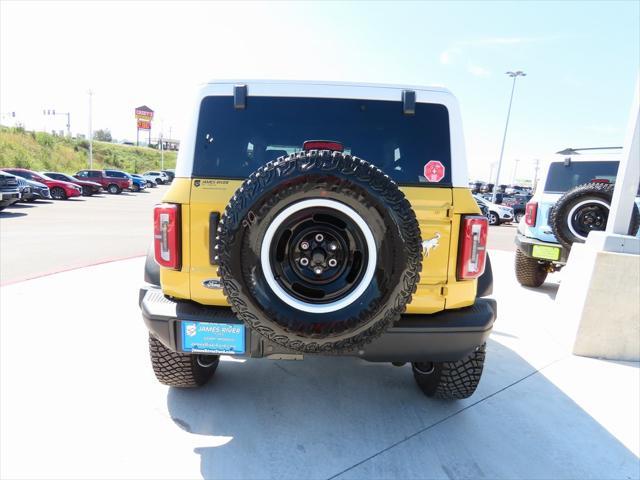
(315, 218)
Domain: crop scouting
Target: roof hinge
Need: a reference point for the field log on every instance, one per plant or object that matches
(239, 97)
(409, 102)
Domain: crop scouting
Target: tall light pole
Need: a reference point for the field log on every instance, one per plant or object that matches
(90, 130)
(493, 164)
(515, 171)
(513, 75)
(535, 175)
(161, 146)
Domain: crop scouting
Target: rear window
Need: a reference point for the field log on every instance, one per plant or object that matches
(562, 178)
(233, 143)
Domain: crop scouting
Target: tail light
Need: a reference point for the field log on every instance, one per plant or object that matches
(166, 235)
(473, 247)
(530, 213)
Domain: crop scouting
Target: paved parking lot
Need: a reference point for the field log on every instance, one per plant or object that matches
(79, 400)
(48, 236)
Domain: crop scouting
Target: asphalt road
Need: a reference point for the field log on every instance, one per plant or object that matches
(50, 236)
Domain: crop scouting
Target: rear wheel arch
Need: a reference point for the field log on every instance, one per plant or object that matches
(151, 268)
(485, 281)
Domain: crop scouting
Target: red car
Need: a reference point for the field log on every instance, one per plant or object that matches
(88, 188)
(59, 190)
(112, 185)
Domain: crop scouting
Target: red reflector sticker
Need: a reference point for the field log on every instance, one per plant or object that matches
(434, 171)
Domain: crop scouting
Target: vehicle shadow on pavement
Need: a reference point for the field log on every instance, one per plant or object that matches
(20, 206)
(345, 418)
(550, 289)
(12, 214)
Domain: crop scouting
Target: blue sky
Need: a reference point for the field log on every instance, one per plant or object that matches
(582, 61)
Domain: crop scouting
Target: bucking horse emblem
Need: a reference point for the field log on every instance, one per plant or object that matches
(430, 244)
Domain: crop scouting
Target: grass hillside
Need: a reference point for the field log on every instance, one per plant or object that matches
(41, 151)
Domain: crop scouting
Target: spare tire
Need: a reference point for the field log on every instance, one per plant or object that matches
(319, 252)
(584, 209)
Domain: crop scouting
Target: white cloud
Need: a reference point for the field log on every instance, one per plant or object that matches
(503, 41)
(447, 56)
(478, 71)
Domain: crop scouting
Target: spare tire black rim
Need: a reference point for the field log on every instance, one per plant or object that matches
(318, 255)
(587, 216)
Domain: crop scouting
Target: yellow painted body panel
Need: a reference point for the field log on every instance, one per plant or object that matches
(438, 211)
(432, 207)
(209, 196)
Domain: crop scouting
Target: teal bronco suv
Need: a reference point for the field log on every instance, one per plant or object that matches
(572, 199)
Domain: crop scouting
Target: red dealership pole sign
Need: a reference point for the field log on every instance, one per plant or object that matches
(144, 116)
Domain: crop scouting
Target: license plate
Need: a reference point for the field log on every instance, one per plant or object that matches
(225, 338)
(546, 252)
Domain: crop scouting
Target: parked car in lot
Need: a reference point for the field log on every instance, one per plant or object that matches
(517, 203)
(136, 184)
(139, 184)
(30, 191)
(113, 185)
(88, 188)
(39, 191)
(159, 177)
(60, 190)
(23, 188)
(572, 200)
(9, 193)
(170, 173)
(318, 251)
(150, 181)
(517, 190)
(497, 213)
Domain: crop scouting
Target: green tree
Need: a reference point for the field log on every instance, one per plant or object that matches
(102, 135)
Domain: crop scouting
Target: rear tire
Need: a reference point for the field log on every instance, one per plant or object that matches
(135, 187)
(58, 193)
(529, 271)
(180, 369)
(451, 380)
(519, 216)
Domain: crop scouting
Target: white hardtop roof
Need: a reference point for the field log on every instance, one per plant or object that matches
(245, 81)
(588, 157)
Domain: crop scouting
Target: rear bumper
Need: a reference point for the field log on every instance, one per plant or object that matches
(526, 244)
(445, 336)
